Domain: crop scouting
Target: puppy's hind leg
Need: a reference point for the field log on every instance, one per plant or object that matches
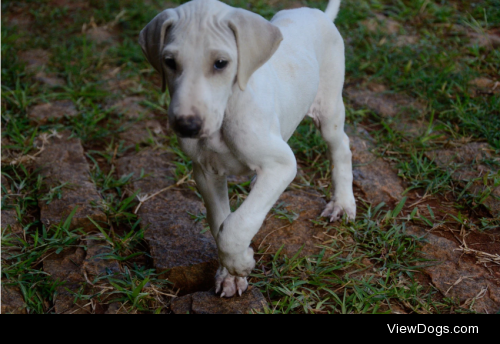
(329, 117)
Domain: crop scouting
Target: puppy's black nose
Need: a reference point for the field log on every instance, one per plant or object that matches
(188, 126)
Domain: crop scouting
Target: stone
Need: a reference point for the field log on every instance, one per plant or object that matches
(489, 39)
(129, 107)
(120, 84)
(35, 58)
(9, 216)
(67, 267)
(484, 85)
(462, 154)
(12, 300)
(156, 165)
(11, 229)
(383, 24)
(101, 35)
(404, 40)
(10, 223)
(142, 132)
(97, 262)
(485, 40)
(63, 161)
(465, 160)
(383, 104)
(22, 20)
(483, 82)
(57, 110)
(50, 79)
(493, 202)
(376, 87)
(301, 233)
(375, 177)
(177, 245)
(71, 4)
(36, 61)
(76, 267)
(456, 276)
(114, 308)
(208, 302)
(395, 108)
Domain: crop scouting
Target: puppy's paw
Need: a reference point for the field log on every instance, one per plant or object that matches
(335, 210)
(228, 285)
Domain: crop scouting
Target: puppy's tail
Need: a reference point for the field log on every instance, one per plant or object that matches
(332, 9)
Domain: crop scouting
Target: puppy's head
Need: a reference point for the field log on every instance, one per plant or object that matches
(201, 50)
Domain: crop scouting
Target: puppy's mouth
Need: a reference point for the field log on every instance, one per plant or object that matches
(187, 134)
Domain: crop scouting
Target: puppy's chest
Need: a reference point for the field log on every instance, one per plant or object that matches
(215, 157)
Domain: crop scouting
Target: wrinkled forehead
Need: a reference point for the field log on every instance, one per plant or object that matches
(200, 29)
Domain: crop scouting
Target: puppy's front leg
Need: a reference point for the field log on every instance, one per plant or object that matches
(213, 189)
(276, 170)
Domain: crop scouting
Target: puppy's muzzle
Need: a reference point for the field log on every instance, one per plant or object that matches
(188, 126)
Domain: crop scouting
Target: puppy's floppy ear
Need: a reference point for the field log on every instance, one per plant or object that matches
(152, 39)
(256, 39)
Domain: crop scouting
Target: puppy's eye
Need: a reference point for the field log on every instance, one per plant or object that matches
(220, 64)
(170, 62)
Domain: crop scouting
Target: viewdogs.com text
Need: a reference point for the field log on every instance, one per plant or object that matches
(438, 330)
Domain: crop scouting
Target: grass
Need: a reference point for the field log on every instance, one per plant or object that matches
(373, 268)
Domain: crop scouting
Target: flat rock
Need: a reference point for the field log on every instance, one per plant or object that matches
(71, 4)
(22, 20)
(57, 110)
(400, 111)
(465, 160)
(63, 161)
(375, 177)
(483, 85)
(466, 157)
(11, 228)
(97, 262)
(35, 58)
(488, 40)
(383, 24)
(458, 277)
(384, 104)
(177, 246)
(115, 308)
(142, 132)
(130, 107)
(176, 243)
(210, 303)
(157, 167)
(101, 35)
(404, 40)
(9, 216)
(72, 265)
(36, 61)
(9, 221)
(12, 300)
(49, 79)
(67, 267)
(301, 233)
(119, 84)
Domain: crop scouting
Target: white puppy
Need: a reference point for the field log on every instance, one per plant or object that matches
(239, 87)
